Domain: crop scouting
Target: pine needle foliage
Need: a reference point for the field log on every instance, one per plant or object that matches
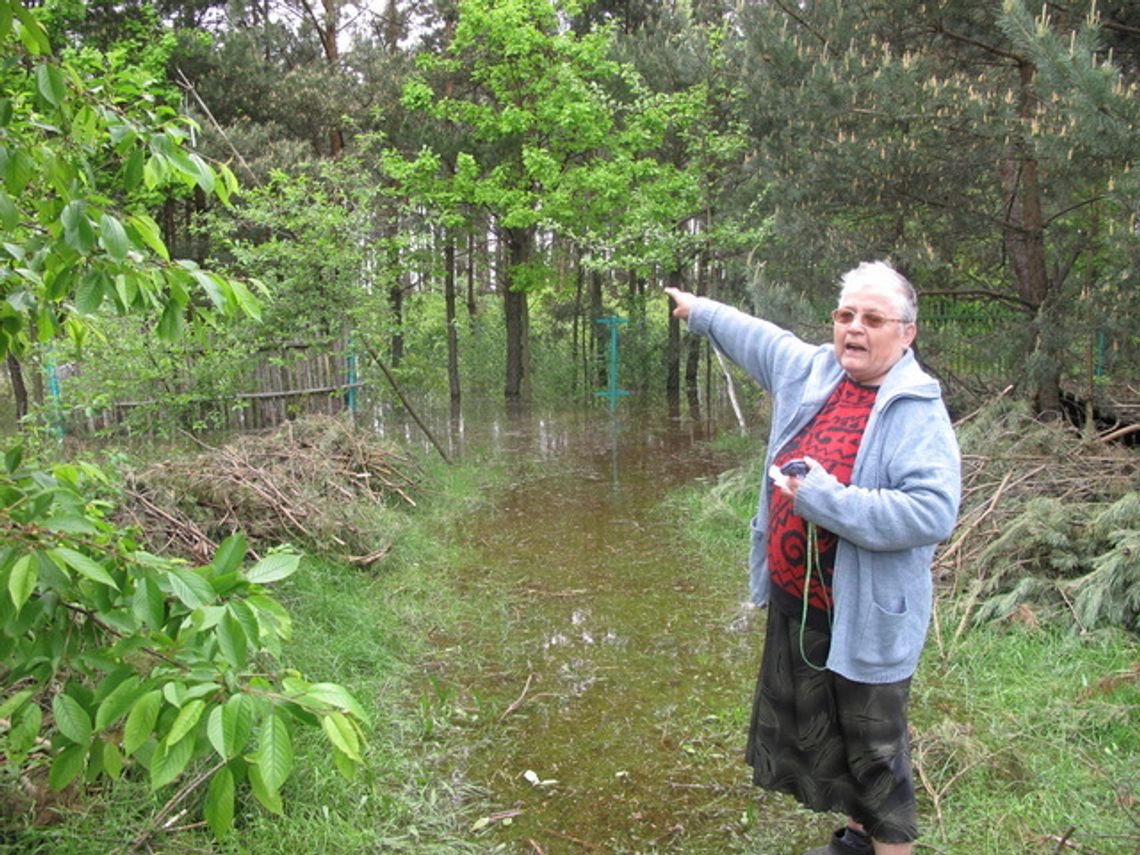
(1050, 523)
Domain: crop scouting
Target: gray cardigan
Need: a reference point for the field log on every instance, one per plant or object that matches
(902, 500)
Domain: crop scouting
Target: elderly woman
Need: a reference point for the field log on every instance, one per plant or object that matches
(841, 550)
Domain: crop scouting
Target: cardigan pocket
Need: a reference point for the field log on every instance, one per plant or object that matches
(888, 635)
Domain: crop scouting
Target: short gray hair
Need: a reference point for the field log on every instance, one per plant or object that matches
(882, 276)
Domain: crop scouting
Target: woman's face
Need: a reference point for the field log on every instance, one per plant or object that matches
(868, 353)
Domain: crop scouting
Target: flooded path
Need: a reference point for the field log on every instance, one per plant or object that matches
(602, 693)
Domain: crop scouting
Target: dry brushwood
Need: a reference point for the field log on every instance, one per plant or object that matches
(317, 482)
(1029, 491)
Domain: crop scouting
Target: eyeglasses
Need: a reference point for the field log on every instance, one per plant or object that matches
(871, 320)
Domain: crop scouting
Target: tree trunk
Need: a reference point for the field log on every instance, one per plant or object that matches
(673, 351)
(519, 243)
(452, 331)
(692, 375)
(395, 290)
(19, 389)
(472, 306)
(329, 33)
(1024, 237)
(598, 335)
(577, 333)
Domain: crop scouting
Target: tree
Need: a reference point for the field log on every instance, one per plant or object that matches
(143, 661)
(539, 121)
(968, 142)
(688, 218)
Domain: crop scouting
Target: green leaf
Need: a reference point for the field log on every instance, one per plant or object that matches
(342, 735)
(50, 84)
(150, 233)
(244, 615)
(335, 696)
(169, 761)
(193, 590)
(83, 565)
(9, 213)
(229, 556)
(272, 568)
(12, 704)
(245, 299)
(345, 765)
(117, 703)
(22, 580)
(186, 721)
(18, 171)
(219, 807)
(274, 751)
(32, 33)
(115, 239)
(133, 169)
(13, 457)
(71, 719)
(67, 522)
(78, 232)
(25, 731)
(193, 168)
(141, 721)
(270, 799)
(112, 760)
(232, 641)
(67, 764)
(170, 324)
(230, 726)
(148, 604)
(215, 287)
(89, 294)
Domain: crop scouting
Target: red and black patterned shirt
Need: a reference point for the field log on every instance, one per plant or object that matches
(832, 439)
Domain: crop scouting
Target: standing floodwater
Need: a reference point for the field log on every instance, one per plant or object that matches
(602, 693)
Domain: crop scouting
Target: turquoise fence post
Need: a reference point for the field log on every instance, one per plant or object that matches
(54, 391)
(350, 362)
(612, 392)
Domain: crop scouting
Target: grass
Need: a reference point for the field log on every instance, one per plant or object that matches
(1025, 734)
(1030, 735)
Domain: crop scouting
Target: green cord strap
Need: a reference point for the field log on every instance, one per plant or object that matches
(812, 565)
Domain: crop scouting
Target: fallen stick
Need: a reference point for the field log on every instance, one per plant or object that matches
(586, 844)
(404, 400)
(954, 547)
(518, 702)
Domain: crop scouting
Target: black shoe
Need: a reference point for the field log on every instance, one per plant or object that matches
(845, 841)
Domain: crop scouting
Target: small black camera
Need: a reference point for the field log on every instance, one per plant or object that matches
(794, 469)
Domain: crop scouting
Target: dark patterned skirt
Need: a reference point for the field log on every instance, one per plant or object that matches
(834, 744)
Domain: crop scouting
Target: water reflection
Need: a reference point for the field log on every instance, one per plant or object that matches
(613, 652)
(542, 432)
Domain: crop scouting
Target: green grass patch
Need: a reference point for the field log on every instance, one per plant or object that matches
(1025, 735)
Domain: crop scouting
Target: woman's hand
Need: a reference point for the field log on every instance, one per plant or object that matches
(684, 301)
(790, 484)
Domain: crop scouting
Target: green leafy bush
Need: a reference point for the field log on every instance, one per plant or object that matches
(117, 661)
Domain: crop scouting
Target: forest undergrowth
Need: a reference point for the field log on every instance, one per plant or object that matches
(1026, 730)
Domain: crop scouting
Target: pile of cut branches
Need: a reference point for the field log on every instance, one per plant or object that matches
(1050, 522)
(317, 482)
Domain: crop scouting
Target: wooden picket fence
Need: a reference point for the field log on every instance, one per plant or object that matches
(280, 383)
